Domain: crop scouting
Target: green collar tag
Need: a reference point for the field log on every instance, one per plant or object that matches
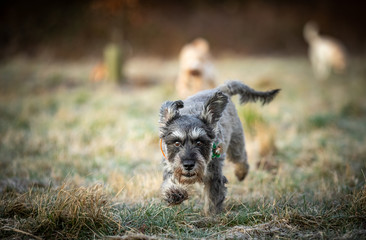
(215, 154)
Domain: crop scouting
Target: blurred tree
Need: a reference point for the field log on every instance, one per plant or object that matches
(118, 12)
(113, 62)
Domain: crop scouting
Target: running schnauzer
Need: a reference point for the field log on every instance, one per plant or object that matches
(196, 136)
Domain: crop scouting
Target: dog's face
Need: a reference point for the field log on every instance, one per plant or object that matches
(189, 144)
(189, 138)
(194, 56)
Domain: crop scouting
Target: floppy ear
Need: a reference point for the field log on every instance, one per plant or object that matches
(214, 107)
(169, 110)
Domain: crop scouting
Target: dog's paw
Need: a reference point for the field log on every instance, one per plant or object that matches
(175, 195)
(241, 171)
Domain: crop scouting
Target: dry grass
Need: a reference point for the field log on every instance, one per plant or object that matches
(59, 213)
(81, 160)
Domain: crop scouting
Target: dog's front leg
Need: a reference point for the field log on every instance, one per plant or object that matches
(215, 190)
(172, 192)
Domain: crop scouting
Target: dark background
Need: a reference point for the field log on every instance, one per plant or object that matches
(79, 29)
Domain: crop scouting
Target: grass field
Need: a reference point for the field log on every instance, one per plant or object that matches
(81, 160)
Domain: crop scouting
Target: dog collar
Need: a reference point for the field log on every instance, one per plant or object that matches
(215, 151)
(161, 147)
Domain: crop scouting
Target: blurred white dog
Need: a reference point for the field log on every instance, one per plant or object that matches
(325, 53)
(196, 71)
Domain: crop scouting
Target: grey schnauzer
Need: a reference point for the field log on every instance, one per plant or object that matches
(196, 136)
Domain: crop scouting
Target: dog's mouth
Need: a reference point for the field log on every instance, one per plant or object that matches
(195, 72)
(188, 175)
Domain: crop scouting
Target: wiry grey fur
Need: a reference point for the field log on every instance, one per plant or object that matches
(189, 129)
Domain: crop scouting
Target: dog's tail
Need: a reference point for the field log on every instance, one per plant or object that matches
(246, 93)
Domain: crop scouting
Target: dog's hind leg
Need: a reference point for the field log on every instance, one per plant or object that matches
(237, 154)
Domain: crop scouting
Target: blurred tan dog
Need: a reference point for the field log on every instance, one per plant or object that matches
(325, 53)
(196, 71)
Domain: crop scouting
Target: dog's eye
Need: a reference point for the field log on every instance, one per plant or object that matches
(198, 143)
(177, 144)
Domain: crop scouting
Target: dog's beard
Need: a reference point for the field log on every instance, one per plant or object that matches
(190, 177)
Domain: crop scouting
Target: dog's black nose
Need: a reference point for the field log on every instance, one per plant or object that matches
(188, 164)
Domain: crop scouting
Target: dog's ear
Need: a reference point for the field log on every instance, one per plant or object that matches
(170, 110)
(214, 107)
